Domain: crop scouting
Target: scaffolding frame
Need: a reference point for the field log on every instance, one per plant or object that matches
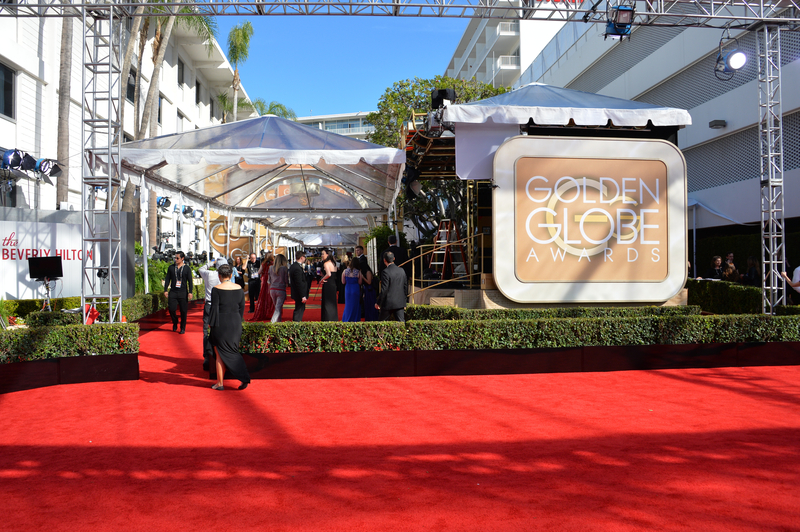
(101, 253)
(773, 249)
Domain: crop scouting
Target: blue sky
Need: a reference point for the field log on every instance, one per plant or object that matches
(340, 64)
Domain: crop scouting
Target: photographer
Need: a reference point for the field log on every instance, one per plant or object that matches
(178, 290)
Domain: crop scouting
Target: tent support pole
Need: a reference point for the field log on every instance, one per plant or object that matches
(143, 193)
(694, 239)
(208, 234)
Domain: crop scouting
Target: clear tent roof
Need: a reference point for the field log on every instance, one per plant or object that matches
(299, 180)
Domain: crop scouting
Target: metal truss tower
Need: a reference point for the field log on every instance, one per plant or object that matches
(771, 146)
(101, 281)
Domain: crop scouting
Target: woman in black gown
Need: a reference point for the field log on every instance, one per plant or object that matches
(330, 309)
(227, 312)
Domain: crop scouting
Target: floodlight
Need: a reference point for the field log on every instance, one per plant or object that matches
(163, 202)
(198, 214)
(728, 61)
(188, 211)
(620, 22)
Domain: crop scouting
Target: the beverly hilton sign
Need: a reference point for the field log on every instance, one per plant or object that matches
(589, 220)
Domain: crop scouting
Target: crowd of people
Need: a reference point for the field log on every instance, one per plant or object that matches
(726, 270)
(366, 296)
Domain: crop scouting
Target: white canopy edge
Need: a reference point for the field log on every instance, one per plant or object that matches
(561, 116)
(151, 157)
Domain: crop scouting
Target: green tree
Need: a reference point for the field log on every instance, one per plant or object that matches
(274, 108)
(238, 50)
(64, 89)
(226, 105)
(440, 198)
(399, 101)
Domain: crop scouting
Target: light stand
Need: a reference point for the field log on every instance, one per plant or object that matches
(46, 284)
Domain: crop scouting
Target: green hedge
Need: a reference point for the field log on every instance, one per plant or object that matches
(430, 312)
(722, 297)
(303, 337)
(516, 334)
(134, 309)
(38, 343)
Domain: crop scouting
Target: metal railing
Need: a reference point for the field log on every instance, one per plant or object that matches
(466, 241)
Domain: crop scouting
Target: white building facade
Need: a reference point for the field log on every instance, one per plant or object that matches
(191, 78)
(348, 124)
(497, 52)
(674, 66)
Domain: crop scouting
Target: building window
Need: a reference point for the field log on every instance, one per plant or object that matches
(181, 118)
(197, 95)
(127, 138)
(211, 114)
(7, 91)
(160, 105)
(130, 90)
(181, 72)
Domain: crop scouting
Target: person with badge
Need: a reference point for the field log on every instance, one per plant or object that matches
(178, 290)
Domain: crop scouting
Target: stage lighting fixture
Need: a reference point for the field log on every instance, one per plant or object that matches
(620, 22)
(730, 60)
(27, 163)
(188, 212)
(12, 159)
(163, 202)
(198, 214)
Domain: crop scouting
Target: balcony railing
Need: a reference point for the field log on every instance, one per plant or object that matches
(508, 61)
(351, 130)
(508, 28)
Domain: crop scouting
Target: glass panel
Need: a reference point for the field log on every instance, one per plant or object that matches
(6, 91)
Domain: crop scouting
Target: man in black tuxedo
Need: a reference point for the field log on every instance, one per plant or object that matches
(178, 290)
(253, 282)
(394, 290)
(400, 255)
(299, 286)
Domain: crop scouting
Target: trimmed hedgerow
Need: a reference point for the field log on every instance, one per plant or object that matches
(134, 309)
(429, 312)
(516, 334)
(38, 343)
(309, 337)
(721, 297)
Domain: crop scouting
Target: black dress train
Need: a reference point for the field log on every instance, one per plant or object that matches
(330, 309)
(227, 312)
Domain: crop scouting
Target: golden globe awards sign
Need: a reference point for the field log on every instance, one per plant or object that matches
(580, 220)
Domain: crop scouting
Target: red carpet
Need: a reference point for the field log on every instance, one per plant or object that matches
(704, 449)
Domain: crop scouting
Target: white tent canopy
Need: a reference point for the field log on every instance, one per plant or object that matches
(292, 177)
(482, 126)
(549, 105)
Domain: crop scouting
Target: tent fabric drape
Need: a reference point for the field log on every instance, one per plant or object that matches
(549, 105)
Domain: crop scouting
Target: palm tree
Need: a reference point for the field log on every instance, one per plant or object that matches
(238, 50)
(226, 105)
(64, 78)
(204, 27)
(274, 108)
(126, 62)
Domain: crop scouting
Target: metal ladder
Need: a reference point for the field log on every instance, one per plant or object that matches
(446, 253)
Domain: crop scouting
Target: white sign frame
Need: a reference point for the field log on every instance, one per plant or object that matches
(504, 230)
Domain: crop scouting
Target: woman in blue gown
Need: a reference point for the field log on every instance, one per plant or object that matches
(351, 279)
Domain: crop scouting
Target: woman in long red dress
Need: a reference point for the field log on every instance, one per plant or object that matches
(264, 306)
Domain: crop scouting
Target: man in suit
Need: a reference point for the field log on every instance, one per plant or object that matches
(253, 282)
(394, 290)
(400, 255)
(299, 286)
(178, 290)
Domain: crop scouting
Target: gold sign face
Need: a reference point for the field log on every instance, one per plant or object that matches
(591, 220)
